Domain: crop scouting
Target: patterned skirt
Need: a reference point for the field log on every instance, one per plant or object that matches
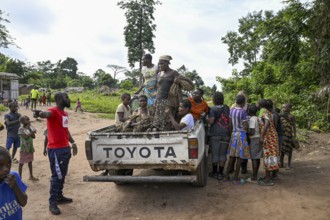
(25, 157)
(238, 146)
(271, 152)
(161, 120)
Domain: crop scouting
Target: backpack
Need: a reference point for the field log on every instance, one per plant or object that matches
(221, 118)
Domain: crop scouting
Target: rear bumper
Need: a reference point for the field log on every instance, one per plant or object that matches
(141, 179)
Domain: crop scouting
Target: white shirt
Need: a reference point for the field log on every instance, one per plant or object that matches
(125, 110)
(254, 124)
(188, 120)
(149, 73)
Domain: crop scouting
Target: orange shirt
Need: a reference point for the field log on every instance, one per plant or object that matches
(197, 108)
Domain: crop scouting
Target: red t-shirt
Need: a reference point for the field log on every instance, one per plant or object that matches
(57, 125)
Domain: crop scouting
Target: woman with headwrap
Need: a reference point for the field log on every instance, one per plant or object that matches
(169, 85)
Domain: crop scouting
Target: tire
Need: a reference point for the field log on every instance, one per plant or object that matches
(124, 172)
(201, 173)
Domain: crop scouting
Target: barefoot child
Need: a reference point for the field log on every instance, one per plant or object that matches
(255, 146)
(12, 189)
(78, 106)
(12, 125)
(27, 134)
(289, 128)
(123, 111)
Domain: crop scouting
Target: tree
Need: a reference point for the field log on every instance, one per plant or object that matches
(139, 29)
(246, 43)
(116, 70)
(126, 84)
(104, 79)
(320, 32)
(133, 76)
(5, 38)
(192, 75)
(69, 67)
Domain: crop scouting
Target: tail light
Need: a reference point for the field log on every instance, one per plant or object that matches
(193, 148)
(88, 150)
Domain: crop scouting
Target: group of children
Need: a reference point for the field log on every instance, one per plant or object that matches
(240, 134)
(20, 134)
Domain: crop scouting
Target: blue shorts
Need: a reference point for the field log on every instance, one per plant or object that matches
(13, 141)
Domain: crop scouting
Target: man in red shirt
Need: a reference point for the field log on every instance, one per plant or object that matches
(59, 152)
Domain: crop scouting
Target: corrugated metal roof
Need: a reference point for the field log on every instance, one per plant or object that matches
(4, 75)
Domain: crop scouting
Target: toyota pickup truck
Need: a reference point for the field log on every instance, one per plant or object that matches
(183, 153)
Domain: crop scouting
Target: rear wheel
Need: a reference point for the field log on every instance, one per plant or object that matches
(201, 173)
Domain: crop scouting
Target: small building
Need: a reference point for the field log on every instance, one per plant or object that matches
(25, 89)
(9, 85)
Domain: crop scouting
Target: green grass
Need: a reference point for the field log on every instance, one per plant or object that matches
(92, 101)
(106, 116)
(95, 102)
(3, 108)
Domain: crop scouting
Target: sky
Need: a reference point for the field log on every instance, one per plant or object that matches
(91, 32)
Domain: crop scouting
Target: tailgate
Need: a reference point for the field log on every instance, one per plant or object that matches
(133, 150)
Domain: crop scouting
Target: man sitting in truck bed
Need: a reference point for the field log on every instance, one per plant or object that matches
(141, 119)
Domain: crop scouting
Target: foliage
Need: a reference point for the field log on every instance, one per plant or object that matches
(139, 29)
(285, 57)
(5, 38)
(133, 76)
(126, 84)
(104, 79)
(192, 75)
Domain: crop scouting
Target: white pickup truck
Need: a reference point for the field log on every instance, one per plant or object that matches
(183, 152)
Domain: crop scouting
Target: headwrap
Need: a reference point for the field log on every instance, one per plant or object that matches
(165, 57)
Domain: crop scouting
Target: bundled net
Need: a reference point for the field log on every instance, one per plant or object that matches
(175, 93)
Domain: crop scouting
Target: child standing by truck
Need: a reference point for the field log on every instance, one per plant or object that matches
(27, 134)
(238, 146)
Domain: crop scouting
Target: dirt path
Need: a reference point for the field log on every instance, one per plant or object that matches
(300, 193)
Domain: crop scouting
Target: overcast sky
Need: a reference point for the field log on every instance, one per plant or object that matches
(91, 32)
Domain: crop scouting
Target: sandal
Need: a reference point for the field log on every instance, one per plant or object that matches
(249, 180)
(14, 160)
(261, 182)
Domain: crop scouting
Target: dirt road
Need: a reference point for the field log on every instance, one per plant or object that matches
(300, 193)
